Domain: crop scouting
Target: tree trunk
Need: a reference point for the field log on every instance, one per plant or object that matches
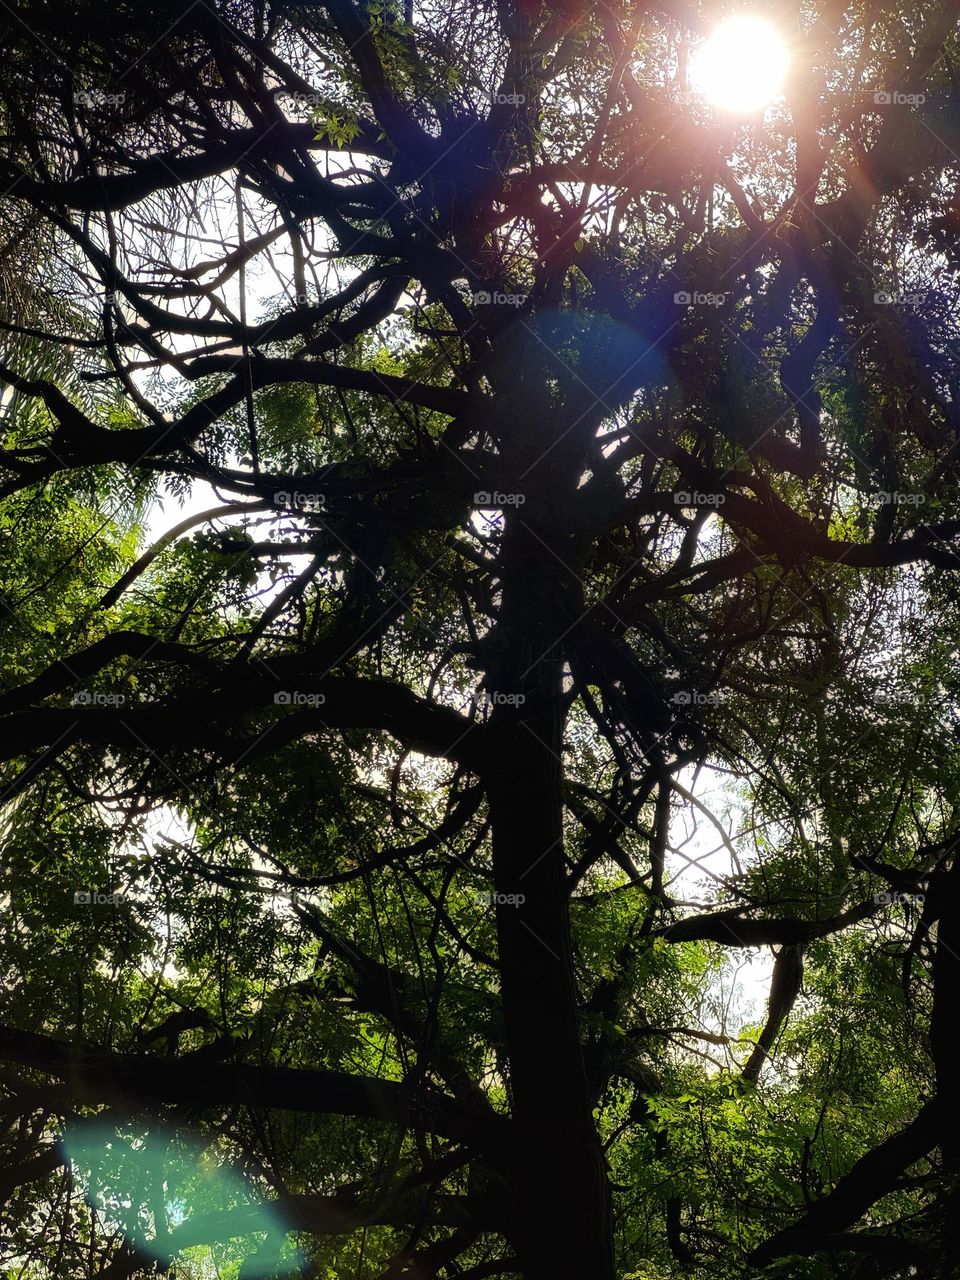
(562, 1221)
(943, 1036)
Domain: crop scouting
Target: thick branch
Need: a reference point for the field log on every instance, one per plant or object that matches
(96, 1076)
(872, 1177)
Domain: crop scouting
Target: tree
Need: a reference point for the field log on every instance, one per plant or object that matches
(564, 442)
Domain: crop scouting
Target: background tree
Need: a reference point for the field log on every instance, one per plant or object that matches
(554, 445)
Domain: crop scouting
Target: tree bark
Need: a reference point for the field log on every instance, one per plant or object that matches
(943, 1038)
(562, 1217)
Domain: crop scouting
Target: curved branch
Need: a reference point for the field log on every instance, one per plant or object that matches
(871, 1178)
(732, 929)
(97, 1076)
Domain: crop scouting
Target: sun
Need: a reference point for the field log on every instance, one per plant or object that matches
(741, 66)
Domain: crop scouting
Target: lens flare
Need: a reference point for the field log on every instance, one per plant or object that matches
(168, 1194)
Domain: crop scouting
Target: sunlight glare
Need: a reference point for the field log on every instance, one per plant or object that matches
(741, 66)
